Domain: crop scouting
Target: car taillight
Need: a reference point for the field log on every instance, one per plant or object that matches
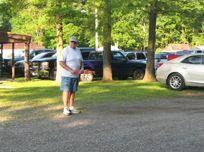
(160, 64)
(55, 65)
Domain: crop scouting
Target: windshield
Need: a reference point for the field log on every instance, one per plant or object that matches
(20, 53)
(54, 55)
(39, 56)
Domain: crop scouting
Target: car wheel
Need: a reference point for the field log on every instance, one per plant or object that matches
(176, 82)
(86, 76)
(122, 77)
(138, 74)
(52, 74)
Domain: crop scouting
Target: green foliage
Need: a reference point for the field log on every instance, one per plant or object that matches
(177, 21)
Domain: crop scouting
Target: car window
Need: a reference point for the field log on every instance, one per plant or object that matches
(118, 56)
(199, 51)
(140, 56)
(131, 56)
(161, 56)
(85, 55)
(193, 60)
(95, 56)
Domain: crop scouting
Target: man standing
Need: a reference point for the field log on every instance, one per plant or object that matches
(72, 65)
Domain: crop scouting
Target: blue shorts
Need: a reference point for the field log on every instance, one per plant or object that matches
(69, 84)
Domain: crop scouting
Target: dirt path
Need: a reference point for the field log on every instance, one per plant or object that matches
(165, 125)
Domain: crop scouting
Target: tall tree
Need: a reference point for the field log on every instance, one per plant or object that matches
(59, 35)
(149, 72)
(107, 69)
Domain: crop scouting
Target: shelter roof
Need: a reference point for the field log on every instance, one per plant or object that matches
(9, 37)
(22, 46)
(176, 47)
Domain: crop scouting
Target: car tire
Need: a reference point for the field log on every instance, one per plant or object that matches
(122, 77)
(52, 74)
(138, 74)
(176, 82)
(86, 76)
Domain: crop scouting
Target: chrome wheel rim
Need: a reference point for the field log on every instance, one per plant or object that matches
(87, 76)
(175, 82)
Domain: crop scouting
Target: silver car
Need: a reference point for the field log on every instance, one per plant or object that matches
(186, 70)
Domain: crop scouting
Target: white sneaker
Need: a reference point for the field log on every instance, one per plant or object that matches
(74, 111)
(66, 111)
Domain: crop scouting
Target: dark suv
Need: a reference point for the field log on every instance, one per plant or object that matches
(7, 62)
(85, 52)
(46, 67)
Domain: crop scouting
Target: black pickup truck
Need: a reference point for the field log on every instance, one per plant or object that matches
(7, 62)
(46, 67)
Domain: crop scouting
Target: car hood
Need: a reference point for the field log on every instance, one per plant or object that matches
(15, 58)
(44, 59)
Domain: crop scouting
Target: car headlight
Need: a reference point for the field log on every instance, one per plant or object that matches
(44, 65)
(9, 62)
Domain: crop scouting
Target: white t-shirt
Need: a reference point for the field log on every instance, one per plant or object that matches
(72, 58)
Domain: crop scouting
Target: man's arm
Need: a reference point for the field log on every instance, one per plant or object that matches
(82, 67)
(67, 68)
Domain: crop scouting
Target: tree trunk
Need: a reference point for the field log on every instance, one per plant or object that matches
(59, 34)
(27, 72)
(150, 71)
(107, 70)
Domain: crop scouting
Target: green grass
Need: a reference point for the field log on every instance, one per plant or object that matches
(37, 98)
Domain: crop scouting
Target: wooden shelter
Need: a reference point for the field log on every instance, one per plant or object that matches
(32, 46)
(8, 37)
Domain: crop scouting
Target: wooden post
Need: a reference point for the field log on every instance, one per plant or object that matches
(2, 70)
(27, 72)
(13, 68)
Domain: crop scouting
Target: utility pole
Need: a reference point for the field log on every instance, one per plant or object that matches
(96, 27)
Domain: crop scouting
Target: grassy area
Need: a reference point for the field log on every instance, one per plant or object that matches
(38, 98)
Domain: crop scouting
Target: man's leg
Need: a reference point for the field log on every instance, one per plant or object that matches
(71, 104)
(65, 98)
(71, 99)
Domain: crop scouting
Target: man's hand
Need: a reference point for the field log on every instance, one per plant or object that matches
(81, 71)
(74, 72)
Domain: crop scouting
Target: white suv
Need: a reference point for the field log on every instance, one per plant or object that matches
(189, 51)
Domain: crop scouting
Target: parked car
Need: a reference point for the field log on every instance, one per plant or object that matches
(161, 57)
(136, 55)
(7, 65)
(44, 67)
(183, 52)
(85, 52)
(20, 65)
(189, 51)
(122, 68)
(186, 70)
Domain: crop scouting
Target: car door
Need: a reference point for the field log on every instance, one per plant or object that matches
(96, 62)
(193, 69)
(118, 64)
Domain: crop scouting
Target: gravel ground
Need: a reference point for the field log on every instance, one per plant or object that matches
(171, 125)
